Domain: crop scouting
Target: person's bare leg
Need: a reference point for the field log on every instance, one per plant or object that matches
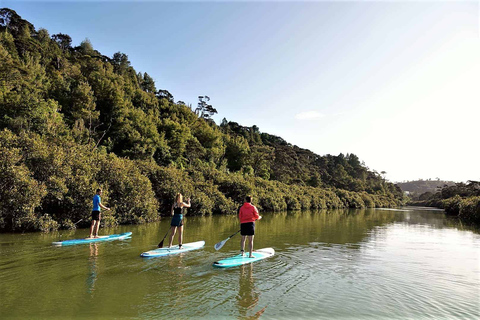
(250, 245)
(91, 229)
(96, 228)
(180, 236)
(242, 244)
(173, 230)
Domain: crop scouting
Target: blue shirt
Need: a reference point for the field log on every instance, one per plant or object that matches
(96, 203)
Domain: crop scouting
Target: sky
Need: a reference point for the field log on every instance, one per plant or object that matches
(395, 82)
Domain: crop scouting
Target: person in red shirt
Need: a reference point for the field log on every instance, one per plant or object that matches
(247, 214)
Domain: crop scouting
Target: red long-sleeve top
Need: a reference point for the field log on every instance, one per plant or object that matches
(248, 213)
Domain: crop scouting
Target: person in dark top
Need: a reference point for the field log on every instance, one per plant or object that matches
(177, 219)
(247, 215)
(97, 204)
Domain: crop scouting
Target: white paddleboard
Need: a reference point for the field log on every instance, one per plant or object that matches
(160, 252)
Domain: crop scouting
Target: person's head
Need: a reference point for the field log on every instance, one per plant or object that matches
(99, 191)
(179, 197)
(248, 199)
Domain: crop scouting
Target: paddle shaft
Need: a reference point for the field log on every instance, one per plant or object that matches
(234, 234)
(219, 245)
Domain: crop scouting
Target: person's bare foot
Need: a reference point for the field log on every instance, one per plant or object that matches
(96, 237)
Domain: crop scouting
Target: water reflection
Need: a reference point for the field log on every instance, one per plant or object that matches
(178, 281)
(248, 294)
(92, 268)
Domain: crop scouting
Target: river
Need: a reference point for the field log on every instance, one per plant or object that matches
(407, 263)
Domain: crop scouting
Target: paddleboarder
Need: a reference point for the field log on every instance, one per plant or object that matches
(97, 204)
(247, 214)
(177, 219)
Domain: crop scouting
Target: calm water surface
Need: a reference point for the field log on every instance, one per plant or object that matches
(409, 263)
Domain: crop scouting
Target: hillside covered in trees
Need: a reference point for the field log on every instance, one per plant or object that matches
(73, 120)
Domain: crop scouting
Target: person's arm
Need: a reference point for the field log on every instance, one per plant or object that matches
(172, 210)
(255, 213)
(102, 206)
(188, 204)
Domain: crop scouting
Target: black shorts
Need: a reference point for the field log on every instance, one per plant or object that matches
(96, 215)
(247, 229)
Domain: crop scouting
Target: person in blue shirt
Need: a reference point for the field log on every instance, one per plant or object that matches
(97, 204)
(177, 219)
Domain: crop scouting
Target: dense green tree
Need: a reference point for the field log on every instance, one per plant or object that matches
(20, 193)
(63, 41)
(261, 159)
(236, 152)
(148, 84)
(205, 110)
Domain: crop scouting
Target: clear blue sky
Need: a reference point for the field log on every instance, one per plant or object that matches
(396, 83)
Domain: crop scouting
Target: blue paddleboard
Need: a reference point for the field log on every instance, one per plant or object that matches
(238, 260)
(111, 237)
(160, 252)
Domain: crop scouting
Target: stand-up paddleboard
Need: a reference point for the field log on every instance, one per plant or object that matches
(160, 252)
(111, 237)
(238, 260)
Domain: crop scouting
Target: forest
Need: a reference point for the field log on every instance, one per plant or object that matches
(73, 120)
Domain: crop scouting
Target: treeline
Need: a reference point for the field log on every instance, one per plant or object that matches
(72, 120)
(461, 200)
(422, 187)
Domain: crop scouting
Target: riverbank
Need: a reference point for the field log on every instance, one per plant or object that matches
(466, 209)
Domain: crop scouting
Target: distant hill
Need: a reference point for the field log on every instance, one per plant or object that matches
(421, 186)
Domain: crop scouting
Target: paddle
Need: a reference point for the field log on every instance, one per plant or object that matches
(160, 245)
(219, 245)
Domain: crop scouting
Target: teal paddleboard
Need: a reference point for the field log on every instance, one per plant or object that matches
(238, 260)
(111, 237)
(160, 252)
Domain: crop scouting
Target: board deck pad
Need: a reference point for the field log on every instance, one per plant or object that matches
(160, 252)
(238, 260)
(119, 236)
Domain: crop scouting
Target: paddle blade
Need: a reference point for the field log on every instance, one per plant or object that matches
(219, 245)
(160, 245)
